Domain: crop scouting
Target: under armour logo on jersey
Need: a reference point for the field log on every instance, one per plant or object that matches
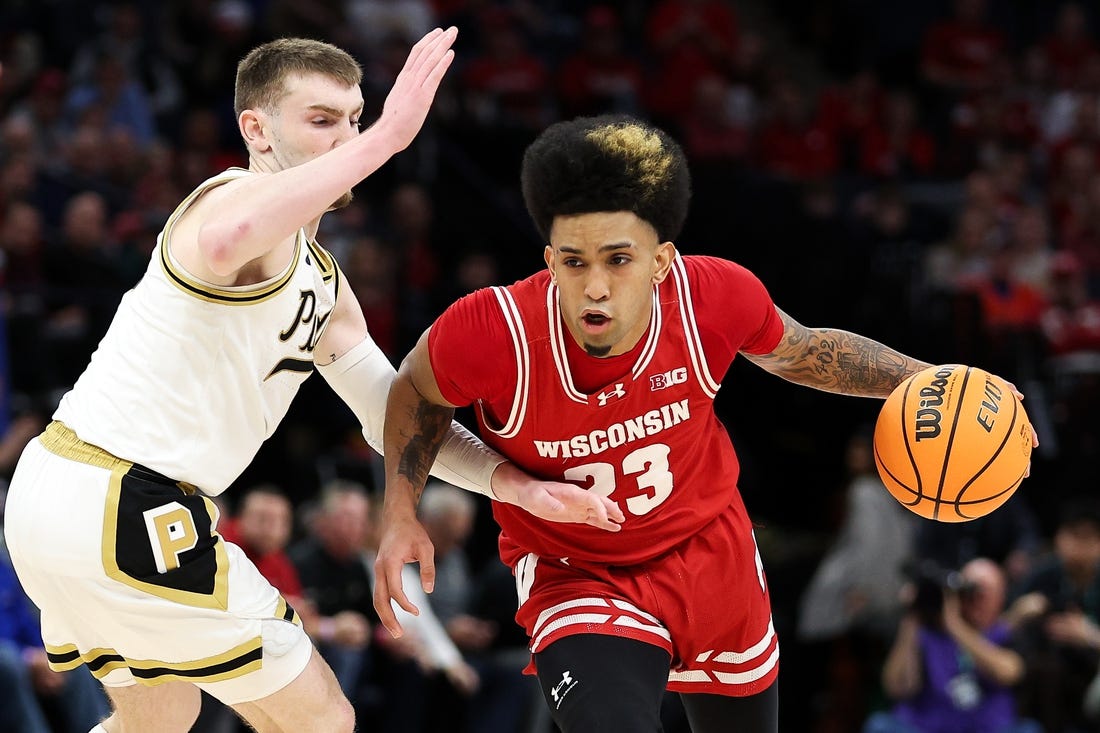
(560, 690)
(618, 393)
(678, 375)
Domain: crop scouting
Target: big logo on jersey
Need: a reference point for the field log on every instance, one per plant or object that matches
(667, 379)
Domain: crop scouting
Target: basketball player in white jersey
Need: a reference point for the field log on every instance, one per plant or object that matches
(108, 520)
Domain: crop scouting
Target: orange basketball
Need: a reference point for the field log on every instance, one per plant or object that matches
(952, 443)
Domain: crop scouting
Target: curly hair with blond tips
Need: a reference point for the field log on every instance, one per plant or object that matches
(605, 164)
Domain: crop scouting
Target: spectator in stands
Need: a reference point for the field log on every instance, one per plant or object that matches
(425, 669)
(1071, 322)
(852, 604)
(85, 285)
(1057, 614)
(1010, 536)
(371, 266)
(850, 110)
(1033, 252)
(790, 144)
(1081, 229)
(31, 694)
(897, 148)
(887, 252)
(504, 696)
(1069, 46)
(951, 667)
(718, 128)
(376, 21)
(600, 76)
(132, 41)
(506, 84)
(335, 580)
(961, 53)
(689, 40)
(43, 110)
(112, 97)
(964, 259)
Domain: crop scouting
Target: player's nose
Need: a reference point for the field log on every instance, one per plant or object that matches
(597, 287)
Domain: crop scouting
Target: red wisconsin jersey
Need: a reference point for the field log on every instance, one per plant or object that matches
(639, 427)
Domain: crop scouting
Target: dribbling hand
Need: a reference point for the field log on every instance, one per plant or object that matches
(409, 100)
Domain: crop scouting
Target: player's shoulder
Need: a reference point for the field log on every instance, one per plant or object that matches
(707, 270)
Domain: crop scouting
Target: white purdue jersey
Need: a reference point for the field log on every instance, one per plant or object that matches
(191, 378)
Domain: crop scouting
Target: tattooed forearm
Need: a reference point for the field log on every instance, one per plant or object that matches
(837, 361)
(418, 455)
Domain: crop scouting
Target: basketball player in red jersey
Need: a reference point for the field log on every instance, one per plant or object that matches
(602, 370)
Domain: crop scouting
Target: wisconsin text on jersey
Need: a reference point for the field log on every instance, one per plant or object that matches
(616, 434)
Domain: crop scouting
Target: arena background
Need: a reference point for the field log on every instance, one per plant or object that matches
(898, 169)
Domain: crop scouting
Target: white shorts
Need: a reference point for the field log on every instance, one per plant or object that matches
(134, 581)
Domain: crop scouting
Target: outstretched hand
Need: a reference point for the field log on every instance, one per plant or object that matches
(1034, 435)
(556, 501)
(413, 91)
(403, 540)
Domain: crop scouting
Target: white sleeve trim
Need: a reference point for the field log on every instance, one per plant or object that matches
(362, 376)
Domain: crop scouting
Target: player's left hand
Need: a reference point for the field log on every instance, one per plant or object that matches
(556, 501)
(404, 540)
(1034, 435)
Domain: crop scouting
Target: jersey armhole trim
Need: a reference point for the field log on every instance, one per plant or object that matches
(691, 330)
(523, 363)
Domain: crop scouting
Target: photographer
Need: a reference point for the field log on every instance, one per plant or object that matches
(950, 669)
(1057, 621)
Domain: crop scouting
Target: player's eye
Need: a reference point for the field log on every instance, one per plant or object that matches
(620, 260)
(572, 262)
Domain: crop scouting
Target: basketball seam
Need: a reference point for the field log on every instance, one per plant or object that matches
(1004, 441)
(919, 491)
(950, 442)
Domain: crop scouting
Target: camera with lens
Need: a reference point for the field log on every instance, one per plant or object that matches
(931, 581)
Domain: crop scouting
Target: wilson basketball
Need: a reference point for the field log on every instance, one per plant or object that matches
(952, 443)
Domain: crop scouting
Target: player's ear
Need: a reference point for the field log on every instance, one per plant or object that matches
(666, 253)
(253, 127)
(548, 255)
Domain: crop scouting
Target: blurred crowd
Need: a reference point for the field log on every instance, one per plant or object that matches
(927, 174)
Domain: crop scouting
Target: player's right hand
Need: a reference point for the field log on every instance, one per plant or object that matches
(407, 104)
(403, 540)
(556, 501)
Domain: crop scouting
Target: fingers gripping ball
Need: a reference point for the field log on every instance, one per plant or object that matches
(952, 443)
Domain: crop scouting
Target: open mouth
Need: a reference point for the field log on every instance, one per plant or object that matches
(595, 319)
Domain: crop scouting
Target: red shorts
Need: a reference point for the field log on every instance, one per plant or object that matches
(705, 602)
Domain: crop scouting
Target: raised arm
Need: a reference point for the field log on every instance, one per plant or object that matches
(836, 361)
(243, 220)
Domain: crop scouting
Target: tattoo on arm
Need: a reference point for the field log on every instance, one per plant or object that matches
(432, 422)
(837, 361)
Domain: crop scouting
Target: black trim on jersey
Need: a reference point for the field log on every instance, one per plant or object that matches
(253, 655)
(290, 365)
(220, 295)
(64, 658)
(325, 262)
(98, 663)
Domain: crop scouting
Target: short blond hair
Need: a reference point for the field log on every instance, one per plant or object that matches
(261, 75)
